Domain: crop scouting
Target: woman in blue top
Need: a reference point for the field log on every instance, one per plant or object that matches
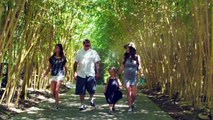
(57, 64)
(131, 66)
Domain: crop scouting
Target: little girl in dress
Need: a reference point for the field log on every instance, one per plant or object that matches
(113, 90)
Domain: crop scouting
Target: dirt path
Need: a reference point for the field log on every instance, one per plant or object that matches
(145, 110)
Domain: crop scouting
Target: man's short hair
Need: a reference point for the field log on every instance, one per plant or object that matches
(86, 41)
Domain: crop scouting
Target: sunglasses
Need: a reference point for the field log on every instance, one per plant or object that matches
(87, 45)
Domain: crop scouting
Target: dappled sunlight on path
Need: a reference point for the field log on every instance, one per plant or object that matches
(145, 110)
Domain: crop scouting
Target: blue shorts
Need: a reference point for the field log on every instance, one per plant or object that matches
(130, 82)
(85, 84)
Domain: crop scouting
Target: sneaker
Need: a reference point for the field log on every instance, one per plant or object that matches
(82, 107)
(92, 103)
(56, 107)
(130, 110)
(133, 105)
(110, 112)
(113, 109)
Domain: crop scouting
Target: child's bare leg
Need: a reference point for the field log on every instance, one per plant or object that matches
(110, 107)
(113, 107)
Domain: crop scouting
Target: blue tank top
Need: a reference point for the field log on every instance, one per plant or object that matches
(130, 69)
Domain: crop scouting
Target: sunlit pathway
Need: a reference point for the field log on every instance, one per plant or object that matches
(145, 110)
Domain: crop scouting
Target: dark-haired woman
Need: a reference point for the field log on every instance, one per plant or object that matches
(57, 64)
(132, 67)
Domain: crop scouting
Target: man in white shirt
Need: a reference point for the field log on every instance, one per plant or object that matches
(86, 71)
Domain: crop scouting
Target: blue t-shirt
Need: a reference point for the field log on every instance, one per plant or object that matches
(57, 65)
(130, 69)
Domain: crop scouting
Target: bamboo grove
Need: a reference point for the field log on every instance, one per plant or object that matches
(174, 39)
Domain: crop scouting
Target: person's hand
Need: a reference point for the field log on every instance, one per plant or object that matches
(98, 76)
(119, 71)
(43, 76)
(142, 75)
(120, 87)
(68, 77)
(75, 75)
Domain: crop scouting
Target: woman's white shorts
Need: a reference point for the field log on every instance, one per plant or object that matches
(57, 78)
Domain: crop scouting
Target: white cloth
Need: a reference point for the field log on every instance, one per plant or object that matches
(86, 62)
(57, 78)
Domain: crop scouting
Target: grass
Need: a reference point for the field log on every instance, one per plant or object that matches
(145, 109)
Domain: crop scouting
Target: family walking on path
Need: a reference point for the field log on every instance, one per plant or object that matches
(87, 71)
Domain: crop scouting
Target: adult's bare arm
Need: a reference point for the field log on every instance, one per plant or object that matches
(47, 71)
(98, 74)
(75, 67)
(67, 72)
(121, 69)
(139, 66)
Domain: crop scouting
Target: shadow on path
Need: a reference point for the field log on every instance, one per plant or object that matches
(145, 110)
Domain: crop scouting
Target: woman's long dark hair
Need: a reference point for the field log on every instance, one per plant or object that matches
(132, 55)
(61, 53)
